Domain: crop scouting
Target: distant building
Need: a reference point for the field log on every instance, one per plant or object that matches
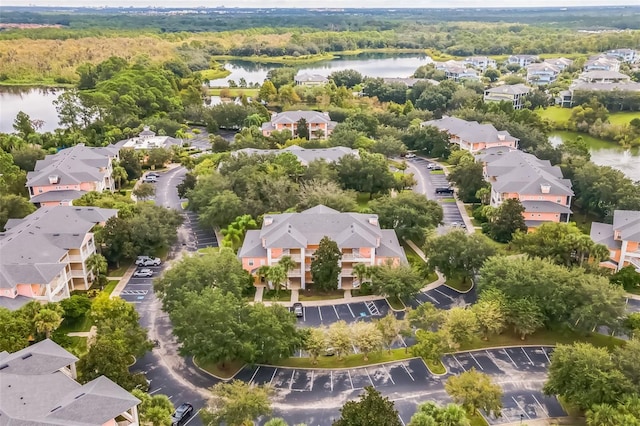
(522, 60)
(319, 124)
(597, 81)
(60, 178)
(542, 73)
(604, 77)
(622, 238)
(310, 80)
(147, 140)
(480, 62)
(471, 135)
(409, 82)
(602, 63)
(513, 93)
(559, 63)
(457, 70)
(304, 155)
(298, 236)
(625, 55)
(540, 187)
(39, 388)
(43, 256)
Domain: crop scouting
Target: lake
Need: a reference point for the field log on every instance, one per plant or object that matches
(36, 102)
(368, 64)
(604, 153)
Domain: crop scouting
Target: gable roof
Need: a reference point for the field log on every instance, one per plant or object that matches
(627, 222)
(510, 89)
(470, 131)
(289, 117)
(72, 165)
(310, 78)
(36, 392)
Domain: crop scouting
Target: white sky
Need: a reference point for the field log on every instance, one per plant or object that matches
(324, 3)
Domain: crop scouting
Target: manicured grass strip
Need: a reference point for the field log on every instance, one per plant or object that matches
(282, 296)
(211, 74)
(437, 172)
(118, 272)
(396, 304)
(77, 345)
(456, 283)
(448, 200)
(477, 420)
(363, 200)
(110, 286)
(435, 367)
(349, 361)
(83, 323)
(229, 370)
(308, 296)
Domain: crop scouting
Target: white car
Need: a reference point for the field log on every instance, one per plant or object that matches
(150, 179)
(143, 273)
(148, 261)
(410, 155)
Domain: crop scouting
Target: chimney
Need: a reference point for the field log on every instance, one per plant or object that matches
(54, 179)
(373, 220)
(268, 220)
(545, 188)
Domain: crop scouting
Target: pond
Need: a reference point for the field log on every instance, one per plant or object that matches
(368, 64)
(36, 102)
(605, 153)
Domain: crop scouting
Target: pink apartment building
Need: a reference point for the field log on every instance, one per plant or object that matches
(540, 187)
(319, 123)
(471, 135)
(298, 235)
(60, 178)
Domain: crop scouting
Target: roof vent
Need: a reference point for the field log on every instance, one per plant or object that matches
(79, 396)
(268, 220)
(54, 179)
(373, 220)
(2, 367)
(57, 408)
(29, 355)
(545, 188)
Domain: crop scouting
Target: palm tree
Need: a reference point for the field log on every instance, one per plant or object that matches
(46, 321)
(288, 264)
(362, 272)
(453, 415)
(232, 237)
(97, 265)
(262, 272)
(118, 174)
(182, 135)
(277, 275)
(603, 415)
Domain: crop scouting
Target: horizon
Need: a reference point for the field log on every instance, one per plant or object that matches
(327, 4)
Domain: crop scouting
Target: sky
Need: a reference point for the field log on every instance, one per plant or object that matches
(324, 3)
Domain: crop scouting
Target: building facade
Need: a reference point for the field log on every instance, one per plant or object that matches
(319, 124)
(44, 256)
(622, 238)
(298, 236)
(471, 135)
(513, 93)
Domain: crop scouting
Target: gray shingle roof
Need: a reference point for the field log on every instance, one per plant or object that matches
(627, 86)
(470, 131)
(602, 233)
(67, 194)
(295, 116)
(311, 78)
(73, 165)
(628, 223)
(348, 230)
(510, 89)
(36, 393)
(544, 207)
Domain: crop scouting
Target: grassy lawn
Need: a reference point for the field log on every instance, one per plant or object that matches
(593, 143)
(469, 209)
(77, 345)
(412, 256)
(227, 372)
(396, 303)
(556, 114)
(363, 200)
(212, 74)
(309, 295)
(456, 282)
(283, 296)
(544, 337)
(287, 60)
(83, 323)
(118, 272)
(184, 205)
(623, 117)
(448, 200)
(110, 286)
(234, 92)
(437, 172)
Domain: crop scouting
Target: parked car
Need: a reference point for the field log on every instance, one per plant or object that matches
(150, 179)
(153, 174)
(148, 261)
(458, 225)
(143, 273)
(182, 413)
(410, 155)
(444, 190)
(329, 352)
(298, 309)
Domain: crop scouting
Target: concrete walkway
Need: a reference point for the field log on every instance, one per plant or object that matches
(90, 335)
(258, 295)
(441, 278)
(123, 281)
(633, 296)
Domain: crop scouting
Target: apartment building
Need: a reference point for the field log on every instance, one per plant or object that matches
(522, 60)
(60, 178)
(457, 70)
(471, 135)
(513, 93)
(39, 388)
(43, 256)
(540, 187)
(622, 237)
(310, 80)
(480, 62)
(298, 236)
(319, 124)
(304, 155)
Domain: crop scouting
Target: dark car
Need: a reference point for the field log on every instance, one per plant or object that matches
(444, 190)
(182, 413)
(298, 309)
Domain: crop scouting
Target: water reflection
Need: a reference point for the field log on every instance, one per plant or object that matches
(37, 102)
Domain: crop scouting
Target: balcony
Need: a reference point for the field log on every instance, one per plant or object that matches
(355, 257)
(75, 258)
(347, 272)
(296, 257)
(77, 273)
(295, 272)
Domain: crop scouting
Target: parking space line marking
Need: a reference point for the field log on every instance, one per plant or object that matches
(527, 355)
(514, 363)
(192, 417)
(420, 302)
(291, 379)
(402, 340)
(331, 380)
(310, 389)
(336, 311)
(474, 358)
(349, 306)
(407, 370)
(370, 381)
(319, 312)
(432, 298)
(355, 351)
(273, 376)
(304, 314)
(541, 406)
(387, 371)
(401, 421)
(350, 379)
(157, 390)
(545, 354)
(461, 366)
(520, 407)
(445, 295)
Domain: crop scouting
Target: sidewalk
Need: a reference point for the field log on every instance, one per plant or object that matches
(123, 281)
(441, 278)
(633, 296)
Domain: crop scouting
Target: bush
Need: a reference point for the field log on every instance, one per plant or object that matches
(76, 306)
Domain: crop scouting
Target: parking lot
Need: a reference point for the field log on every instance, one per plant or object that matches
(316, 316)
(314, 396)
(633, 305)
(442, 297)
(138, 289)
(202, 237)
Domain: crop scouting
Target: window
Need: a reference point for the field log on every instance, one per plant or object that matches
(261, 262)
(250, 262)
